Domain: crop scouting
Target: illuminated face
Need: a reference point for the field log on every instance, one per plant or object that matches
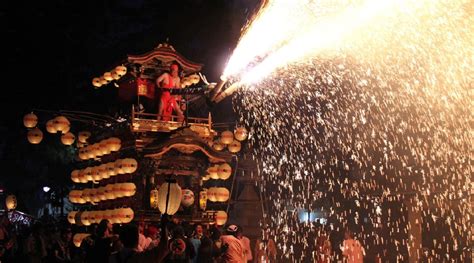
(199, 230)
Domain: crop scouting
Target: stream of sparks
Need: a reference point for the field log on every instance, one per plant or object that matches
(356, 107)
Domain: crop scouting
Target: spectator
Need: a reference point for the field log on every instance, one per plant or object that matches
(232, 248)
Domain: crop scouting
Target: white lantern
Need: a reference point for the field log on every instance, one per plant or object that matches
(240, 133)
(121, 70)
(221, 218)
(187, 198)
(234, 147)
(118, 191)
(115, 75)
(227, 137)
(83, 136)
(109, 192)
(10, 202)
(211, 194)
(50, 127)
(119, 167)
(85, 218)
(218, 146)
(35, 136)
(213, 172)
(30, 120)
(128, 189)
(61, 124)
(75, 176)
(108, 76)
(87, 195)
(68, 138)
(96, 174)
(103, 171)
(129, 165)
(88, 173)
(169, 197)
(111, 169)
(71, 217)
(114, 144)
(96, 82)
(224, 171)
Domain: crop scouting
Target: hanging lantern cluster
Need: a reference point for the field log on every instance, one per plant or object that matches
(109, 76)
(190, 80)
(30, 120)
(187, 198)
(10, 202)
(59, 124)
(231, 140)
(104, 171)
(216, 172)
(218, 194)
(101, 148)
(34, 135)
(115, 216)
(169, 197)
(108, 192)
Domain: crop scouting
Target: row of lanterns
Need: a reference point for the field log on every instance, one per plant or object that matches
(108, 192)
(114, 216)
(109, 76)
(104, 171)
(218, 194)
(101, 148)
(190, 80)
(230, 140)
(222, 172)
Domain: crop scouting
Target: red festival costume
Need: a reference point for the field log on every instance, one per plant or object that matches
(167, 100)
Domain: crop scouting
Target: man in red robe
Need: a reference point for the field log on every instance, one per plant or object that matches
(168, 81)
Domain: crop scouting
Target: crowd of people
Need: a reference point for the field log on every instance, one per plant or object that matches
(167, 241)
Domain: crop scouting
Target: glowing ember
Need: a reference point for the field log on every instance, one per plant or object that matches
(366, 116)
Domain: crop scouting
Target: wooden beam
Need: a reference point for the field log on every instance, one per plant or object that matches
(176, 172)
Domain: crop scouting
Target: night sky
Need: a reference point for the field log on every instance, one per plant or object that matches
(53, 49)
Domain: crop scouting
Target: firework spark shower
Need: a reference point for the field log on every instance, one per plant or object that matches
(356, 108)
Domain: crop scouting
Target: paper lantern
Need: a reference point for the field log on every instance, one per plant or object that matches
(126, 215)
(169, 197)
(185, 82)
(80, 199)
(75, 176)
(240, 133)
(71, 217)
(222, 194)
(92, 219)
(85, 218)
(221, 218)
(95, 198)
(90, 153)
(107, 215)
(10, 202)
(203, 199)
(82, 177)
(103, 81)
(96, 82)
(111, 169)
(218, 146)
(88, 173)
(104, 148)
(83, 136)
(118, 191)
(119, 167)
(115, 75)
(74, 196)
(30, 120)
(50, 127)
(87, 195)
(128, 189)
(213, 172)
(68, 138)
(61, 124)
(114, 144)
(129, 165)
(100, 192)
(121, 70)
(35, 136)
(109, 192)
(154, 198)
(234, 147)
(187, 198)
(83, 155)
(95, 173)
(194, 78)
(206, 177)
(108, 76)
(77, 218)
(227, 137)
(99, 215)
(103, 171)
(115, 217)
(78, 238)
(224, 171)
(211, 194)
(94, 150)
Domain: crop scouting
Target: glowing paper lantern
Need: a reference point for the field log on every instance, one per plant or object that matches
(68, 138)
(227, 137)
(121, 70)
(108, 76)
(109, 191)
(240, 133)
(104, 148)
(114, 144)
(96, 82)
(95, 173)
(119, 167)
(115, 75)
(92, 219)
(128, 189)
(103, 81)
(71, 217)
(218, 146)
(111, 169)
(213, 172)
(83, 136)
(154, 198)
(75, 176)
(35, 136)
(88, 173)
(100, 192)
(211, 194)
(99, 215)
(234, 146)
(77, 239)
(74, 196)
(221, 218)
(203, 199)
(10, 202)
(85, 218)
(126, 215)
(129, 165)
(115, 217)
(222, 194)
(194, 78)
(30, 120)
(118, 191)
(107, 214)
(224, 171)
(169, 197)
(103, 171)
(187, 198)
(50, 127)
(95, 150)
(87, 195)
(61, 124)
